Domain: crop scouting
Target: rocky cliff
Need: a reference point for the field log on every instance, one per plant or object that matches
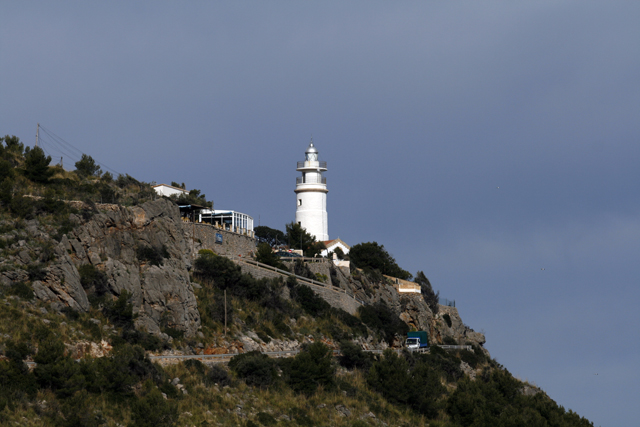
(114, 239)
(111, 240)
(410, 307)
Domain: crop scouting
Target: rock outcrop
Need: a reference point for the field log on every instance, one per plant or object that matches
(110, 240)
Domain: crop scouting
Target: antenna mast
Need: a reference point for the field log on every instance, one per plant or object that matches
(37, 134)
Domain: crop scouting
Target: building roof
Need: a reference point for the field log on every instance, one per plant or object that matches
(328, 243)
(170, 186)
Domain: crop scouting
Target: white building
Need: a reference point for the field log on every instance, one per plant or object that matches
(228, 220)
(331, 246)
(311, 195)
(168, 190)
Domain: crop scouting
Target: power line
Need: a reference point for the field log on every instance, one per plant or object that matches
(62, 143)
(56, 148)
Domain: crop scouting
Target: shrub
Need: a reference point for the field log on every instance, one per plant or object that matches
(375, 256)
(266, 256)
(16, 381)
(120, 311)
(449, 341)
(36, 272)
(266, 419)
(93, 280)
(222, 271)
(312, 368)
(447, 319)
(22, 207)
(445, 362)
(300, 268)
(153, 410)
(22, 290)
(470, 357)
(310, 301)
(134, 337)
(216, 310)
(380, 318)
(154, 256)
(86, 166)
(416, 386)
(217, 375)
(36, 165)
(254, 368)
(352, 356)
(430, 297)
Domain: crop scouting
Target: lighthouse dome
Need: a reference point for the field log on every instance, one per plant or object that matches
(311, 149)
(312, 153)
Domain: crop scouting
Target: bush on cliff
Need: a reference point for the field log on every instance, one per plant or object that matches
(266, 256)
(255, 369)
(382, 319)
(311, 368)
(375, 256)
(353, 357)
(430, 297)
(416, 386)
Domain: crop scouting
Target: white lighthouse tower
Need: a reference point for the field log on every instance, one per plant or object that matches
(311, 195)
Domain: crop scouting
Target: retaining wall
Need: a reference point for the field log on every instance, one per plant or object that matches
(233, 245)
(238, 246)
(334, 297)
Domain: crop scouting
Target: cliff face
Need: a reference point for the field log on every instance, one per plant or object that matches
(410, 307)
(110, 241)
(162, 294)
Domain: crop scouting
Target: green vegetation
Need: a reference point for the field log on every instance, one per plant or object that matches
(382, 319)
(270, 235)
(69, 387)
(265, 255)
(193, 198)
(299, 238)
(30, 186)
(86, 166)
(152, 255)
(430, 297)
(374, 256)
(447, 319)
(260, 306)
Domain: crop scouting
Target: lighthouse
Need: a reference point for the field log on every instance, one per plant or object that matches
(311, 195)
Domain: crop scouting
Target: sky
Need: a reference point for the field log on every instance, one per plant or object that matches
(492, 145)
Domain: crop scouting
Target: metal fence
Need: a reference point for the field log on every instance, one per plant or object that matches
(447, 302)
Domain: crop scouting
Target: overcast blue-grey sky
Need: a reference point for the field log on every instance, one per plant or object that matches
(493, 145)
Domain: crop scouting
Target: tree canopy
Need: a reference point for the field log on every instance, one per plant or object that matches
(430, 297)
(375, 256)
(265, 255)
(86, 166)
(299, 238)
(36, 165)
(270, 235)
(193, 198)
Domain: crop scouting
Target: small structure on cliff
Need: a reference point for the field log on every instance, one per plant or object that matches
(228, 220)
(332, 245)
(169, 190)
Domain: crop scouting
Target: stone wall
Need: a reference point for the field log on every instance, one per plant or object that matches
(203, 236)
(317, 266)
(334, 297)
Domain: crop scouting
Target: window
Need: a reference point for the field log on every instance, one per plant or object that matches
(299, 202)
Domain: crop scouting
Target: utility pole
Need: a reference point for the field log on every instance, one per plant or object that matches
(37, 134)
(225, 314)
